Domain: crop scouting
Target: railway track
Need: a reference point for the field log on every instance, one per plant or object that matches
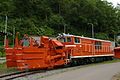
(41, 73)
(15, 75)
(38, 74)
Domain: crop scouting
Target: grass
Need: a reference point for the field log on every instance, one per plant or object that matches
(104, 62)
(112, 61)
(4, 69)
(2, 52)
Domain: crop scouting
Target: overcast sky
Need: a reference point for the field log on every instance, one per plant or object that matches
(114, 2)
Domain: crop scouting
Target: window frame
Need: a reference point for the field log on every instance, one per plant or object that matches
(98, 45)
(78, 39)
(66, 39)
(61, 39)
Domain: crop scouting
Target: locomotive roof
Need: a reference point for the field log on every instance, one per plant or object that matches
(87, 38)
(96, 39)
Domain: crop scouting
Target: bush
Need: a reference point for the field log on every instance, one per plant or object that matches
(101, 36)
(2, 52)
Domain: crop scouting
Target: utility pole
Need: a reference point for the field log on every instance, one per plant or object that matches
(5, 30)
(92, 29)
(13, 36)
(64, 28)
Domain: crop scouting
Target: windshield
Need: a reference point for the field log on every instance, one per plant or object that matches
(36, 40)
(61, 39)
(64, 39)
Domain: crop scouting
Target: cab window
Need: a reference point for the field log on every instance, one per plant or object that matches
(76, 40)
(62, 39)
(68, 39)
(36, 40)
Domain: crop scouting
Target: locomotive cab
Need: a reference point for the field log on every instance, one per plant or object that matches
(65, 38)
(72, 45)
(26, 41)
(68, 39)
(83, 49)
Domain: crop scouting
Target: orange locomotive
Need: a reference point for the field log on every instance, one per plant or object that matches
(85, 50)
(44, 53)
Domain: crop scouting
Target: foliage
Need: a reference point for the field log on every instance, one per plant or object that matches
(2, 52)
(49, 17)
(5, 70)
(102, 36)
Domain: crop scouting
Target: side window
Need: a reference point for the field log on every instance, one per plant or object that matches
(76, 40)
(68, 39)
(98, 45)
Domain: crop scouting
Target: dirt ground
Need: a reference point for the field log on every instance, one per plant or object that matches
(116, 77)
